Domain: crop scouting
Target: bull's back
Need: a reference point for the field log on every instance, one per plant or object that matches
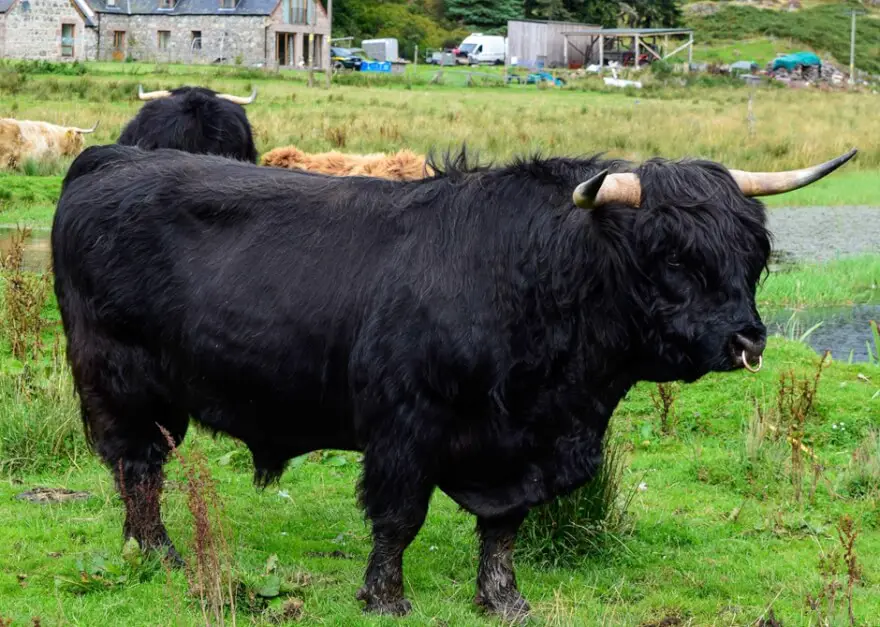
(246, 271)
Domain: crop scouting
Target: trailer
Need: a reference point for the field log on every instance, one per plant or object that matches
(381, 49)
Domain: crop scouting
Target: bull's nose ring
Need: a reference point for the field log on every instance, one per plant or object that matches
(748, 366)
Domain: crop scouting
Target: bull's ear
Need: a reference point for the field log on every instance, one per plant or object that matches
(604, 188)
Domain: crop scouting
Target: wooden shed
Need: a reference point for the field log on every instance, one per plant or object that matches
(539, 43)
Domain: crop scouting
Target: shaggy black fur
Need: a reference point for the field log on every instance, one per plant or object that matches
(194, 120)
(473, 331)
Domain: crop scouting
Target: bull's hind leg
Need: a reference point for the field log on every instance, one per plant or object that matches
(496, 581)
(124, 400)
(396, 495)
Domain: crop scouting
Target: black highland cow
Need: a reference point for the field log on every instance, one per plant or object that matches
(193, 119)
(471, 332)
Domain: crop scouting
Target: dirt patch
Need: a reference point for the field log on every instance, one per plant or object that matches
(337, 554)
(769, 621)
(669, 621)
(52, 495)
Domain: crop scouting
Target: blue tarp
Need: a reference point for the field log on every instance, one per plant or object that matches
(791, 61)
(376, 66)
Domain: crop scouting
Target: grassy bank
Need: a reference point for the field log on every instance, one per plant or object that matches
(846, 281)
(788, 129)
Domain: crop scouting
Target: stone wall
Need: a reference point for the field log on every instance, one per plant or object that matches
(235, 37)
(36, 33)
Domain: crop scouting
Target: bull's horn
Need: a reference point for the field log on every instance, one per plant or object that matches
(151, 95)
(238, 99)
(768, 183)
(85, 131)
(605, 188)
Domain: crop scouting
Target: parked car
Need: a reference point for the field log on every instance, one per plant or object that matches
(347, 58)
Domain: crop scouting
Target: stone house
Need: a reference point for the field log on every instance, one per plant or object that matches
(273, 33)
(52, 30)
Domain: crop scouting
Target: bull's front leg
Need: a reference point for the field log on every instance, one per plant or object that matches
(496, 581)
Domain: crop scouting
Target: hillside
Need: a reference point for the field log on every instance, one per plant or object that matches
(824, 28)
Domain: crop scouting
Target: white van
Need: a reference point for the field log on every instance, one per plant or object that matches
(480, 48)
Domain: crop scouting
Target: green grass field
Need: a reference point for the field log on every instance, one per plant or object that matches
(714, 535)
(710, 528)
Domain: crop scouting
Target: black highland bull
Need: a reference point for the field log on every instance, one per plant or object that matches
(193, 119)
(471, 332)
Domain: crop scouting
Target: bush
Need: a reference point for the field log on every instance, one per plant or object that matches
(11, 82)
(44, 67)
(582, 522)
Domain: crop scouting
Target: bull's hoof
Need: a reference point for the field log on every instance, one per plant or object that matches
(164, 548)
(512, 608)
(172, 558)
(376, 604)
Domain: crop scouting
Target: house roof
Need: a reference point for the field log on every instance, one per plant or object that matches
(183, 7)
(86, 11)
(81, 5)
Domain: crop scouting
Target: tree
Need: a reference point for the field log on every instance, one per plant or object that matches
(484, 14)
(553, 10)
(650, 13)
(602, 12)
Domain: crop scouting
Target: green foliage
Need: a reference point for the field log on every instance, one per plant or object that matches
(825, 28)
(413, 24)
(97, 573)
(484, 14)
(585, 521)
(650, 13)
(553, 10)
(43, 67)
(11, 82)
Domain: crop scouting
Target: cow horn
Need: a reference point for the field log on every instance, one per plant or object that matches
(86, 131)
(768, 183)
(605, 188)
(238, 99)
(151, 95)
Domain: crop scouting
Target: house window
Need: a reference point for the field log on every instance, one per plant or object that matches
(164, 39)
(197, 40)
(119, 40)
(111, 3)
(228, 4)
(67, 40)
(166, 4)
(299, 11)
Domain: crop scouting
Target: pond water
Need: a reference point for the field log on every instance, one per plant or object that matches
(37, 248)
(844, 331)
